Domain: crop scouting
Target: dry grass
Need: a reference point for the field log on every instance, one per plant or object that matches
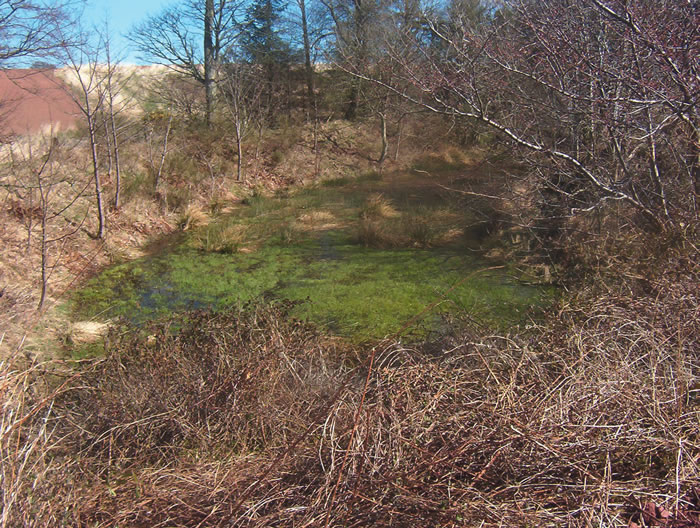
(193, 217)
(411, 230)
(249, 418)
(378, 206)
(318, 220)
(220, 238)
(381, 225)
(30, 475)
(373, 230)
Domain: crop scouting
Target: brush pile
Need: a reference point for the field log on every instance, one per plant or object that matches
(249, 418)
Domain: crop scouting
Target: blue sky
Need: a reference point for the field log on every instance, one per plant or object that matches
(121, 15)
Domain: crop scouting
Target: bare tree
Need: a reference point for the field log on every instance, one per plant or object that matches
(308, 67)
(242, 87)
(47, 195)
(186, 36)
(313, 22)
(603, 95)
(92, 79)
(29, 29)
(312, 27)
(114, 105)
(209, 54)
(158, 132)
(358, 27)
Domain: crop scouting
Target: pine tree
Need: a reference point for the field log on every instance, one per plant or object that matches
(263, 45)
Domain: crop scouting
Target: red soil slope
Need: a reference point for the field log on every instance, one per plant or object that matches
(32, 100)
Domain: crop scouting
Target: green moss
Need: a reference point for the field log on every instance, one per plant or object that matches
(354, 291)
(86, 350)
(117, 285)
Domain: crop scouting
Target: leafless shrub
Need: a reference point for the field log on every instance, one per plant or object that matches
(248, 418)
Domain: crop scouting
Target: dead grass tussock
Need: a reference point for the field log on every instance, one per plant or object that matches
(193, 217)
(451, 235)
(315, 217)
(373, 233)
(411, 230)
(88, 331)
(220, 237)
(381, 225)
(378, 206)
(316, 220)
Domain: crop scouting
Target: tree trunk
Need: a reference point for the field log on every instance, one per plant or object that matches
(385, 141)
(398, 138)
(44, 265)
(163, 154)
(117, 168)
(30, 221)
(114, 152)
(307, 55)
(98, 183)
(44, 248)
(317, 150)
(354, 103)
(208, 58)
(108, 140)
(239, 147)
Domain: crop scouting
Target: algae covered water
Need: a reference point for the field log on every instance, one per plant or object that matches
(362, 260)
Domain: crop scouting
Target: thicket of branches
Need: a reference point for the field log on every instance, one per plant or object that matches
(600, 97)
(249, 418)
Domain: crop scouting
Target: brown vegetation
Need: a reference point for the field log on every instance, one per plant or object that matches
(251, 419)
(587, 417)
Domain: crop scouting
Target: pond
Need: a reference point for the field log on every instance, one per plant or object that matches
(364, 256)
